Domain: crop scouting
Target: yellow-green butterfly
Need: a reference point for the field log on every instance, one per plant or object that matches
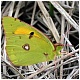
(25, 44)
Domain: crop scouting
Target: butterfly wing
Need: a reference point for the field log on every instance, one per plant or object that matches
(25, 44)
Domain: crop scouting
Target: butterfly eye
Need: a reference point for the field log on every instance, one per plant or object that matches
(26, 47)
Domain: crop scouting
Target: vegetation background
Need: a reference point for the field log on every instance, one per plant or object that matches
(58, 20)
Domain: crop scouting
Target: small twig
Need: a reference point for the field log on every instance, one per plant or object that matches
(4, 56)
(76, 73)
(20, 14)
(19, 72)
(11, 8)
(71, 74)
(44, 74)
(71, 68)
(65, 6)
(6, 11)
(42, 28)
(4, 8)
(49, 21)
(62, 41)
(32, 69)
(58, 18)
(29, 9)
(72, 32)
(32, 20)
(18, 8)
(67, 33)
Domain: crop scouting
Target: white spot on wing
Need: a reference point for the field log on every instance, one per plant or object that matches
(26, 47)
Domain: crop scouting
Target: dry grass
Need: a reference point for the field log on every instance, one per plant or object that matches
(62, 27)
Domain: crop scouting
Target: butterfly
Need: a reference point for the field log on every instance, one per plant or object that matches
(26, 45)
